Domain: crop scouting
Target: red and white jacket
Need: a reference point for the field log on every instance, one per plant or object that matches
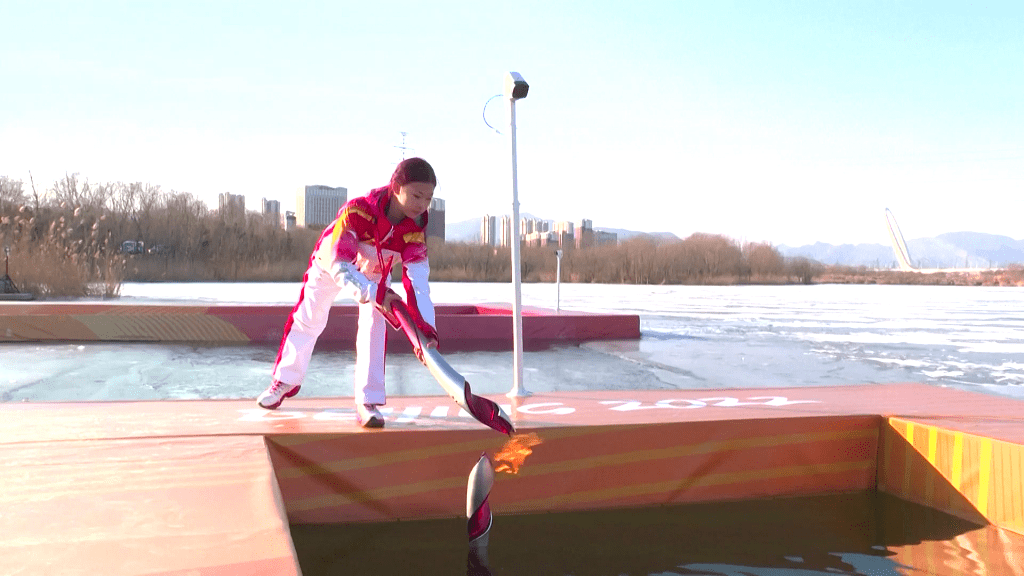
(359, 248)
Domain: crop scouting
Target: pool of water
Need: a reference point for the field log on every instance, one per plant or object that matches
(866, 533)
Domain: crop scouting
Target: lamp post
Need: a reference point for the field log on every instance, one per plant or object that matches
(558, 282)
(6, 284)
(516, 89)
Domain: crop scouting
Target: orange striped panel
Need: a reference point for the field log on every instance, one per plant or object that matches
(162, 328)
(26, 328)
(973, 477)
(339, 478)
(124, 323)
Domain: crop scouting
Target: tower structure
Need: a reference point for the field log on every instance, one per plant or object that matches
(403, 147)
(899, 245)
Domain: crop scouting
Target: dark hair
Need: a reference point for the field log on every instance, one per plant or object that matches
(412, 170)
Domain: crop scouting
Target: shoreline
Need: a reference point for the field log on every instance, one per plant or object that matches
(1007, 277)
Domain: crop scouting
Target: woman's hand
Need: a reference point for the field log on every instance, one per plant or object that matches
(389, 297)
(429, 334)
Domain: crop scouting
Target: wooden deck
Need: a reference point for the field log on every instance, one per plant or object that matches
(211, 487)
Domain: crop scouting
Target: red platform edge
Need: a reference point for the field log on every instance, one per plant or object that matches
(462, 327)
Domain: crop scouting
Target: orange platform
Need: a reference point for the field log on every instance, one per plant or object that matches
(211, 487)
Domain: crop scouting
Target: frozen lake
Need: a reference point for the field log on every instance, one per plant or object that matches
(693, 337)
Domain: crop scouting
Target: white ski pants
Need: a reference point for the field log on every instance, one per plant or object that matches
(307, 322)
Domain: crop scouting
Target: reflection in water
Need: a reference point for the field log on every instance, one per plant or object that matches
(859, 564)
(864, 534)
(476, 562)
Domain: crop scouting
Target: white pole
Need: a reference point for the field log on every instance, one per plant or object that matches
(558, 282)
(517, 274)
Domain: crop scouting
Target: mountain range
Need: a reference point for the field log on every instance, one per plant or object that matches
(950, 250)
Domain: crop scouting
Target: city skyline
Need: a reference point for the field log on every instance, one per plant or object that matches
(316, 206)
(785, 123)
(535, 231)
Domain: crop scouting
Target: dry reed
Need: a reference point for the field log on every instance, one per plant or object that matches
(68, 258)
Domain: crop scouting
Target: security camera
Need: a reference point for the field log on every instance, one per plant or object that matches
(515, 87)
(558, 253)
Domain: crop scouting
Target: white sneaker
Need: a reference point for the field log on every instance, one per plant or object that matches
(369, 416)
(272, 397)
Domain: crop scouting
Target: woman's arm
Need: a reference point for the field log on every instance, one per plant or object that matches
(337, 252)
(416, 280)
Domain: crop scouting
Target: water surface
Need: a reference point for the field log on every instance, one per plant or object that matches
(863, 533)
(693, 337)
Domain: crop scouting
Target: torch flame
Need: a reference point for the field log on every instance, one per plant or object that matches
(514, 452)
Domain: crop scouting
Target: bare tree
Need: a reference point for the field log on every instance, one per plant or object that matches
(764, 260)
(12, 195)
(66, 191)
(96, 196)
(36, 200)
(149, 198)
(804, 269)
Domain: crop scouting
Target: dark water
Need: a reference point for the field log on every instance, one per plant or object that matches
(865, 533)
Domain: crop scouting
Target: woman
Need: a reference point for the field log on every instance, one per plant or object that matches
(355, 253)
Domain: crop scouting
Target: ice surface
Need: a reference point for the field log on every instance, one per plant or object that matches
(693, 337)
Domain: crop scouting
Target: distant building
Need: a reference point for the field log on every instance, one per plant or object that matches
(231, 205)
(488, 235)
(271, 207)
(564, 227)
(526, 226)
(602, 238)
(541, 239)
(531, 225)
(272, 211)
(584, 236)
(505, 232)
(317, 206)
(435, 219)
(537, 232)
(564, 233)
(288, 222)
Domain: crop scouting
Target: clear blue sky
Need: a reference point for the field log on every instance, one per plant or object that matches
(787, 122)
